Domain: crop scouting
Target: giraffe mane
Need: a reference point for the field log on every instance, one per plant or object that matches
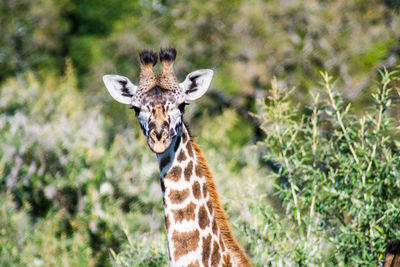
(220, 215)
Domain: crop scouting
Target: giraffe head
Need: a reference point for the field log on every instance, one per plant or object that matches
(159, 100)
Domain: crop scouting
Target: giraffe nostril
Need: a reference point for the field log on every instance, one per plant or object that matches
(159, 136)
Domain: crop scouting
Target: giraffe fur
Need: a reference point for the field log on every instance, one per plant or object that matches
(197, 227)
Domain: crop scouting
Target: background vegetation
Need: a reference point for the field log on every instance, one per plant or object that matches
(307, 164)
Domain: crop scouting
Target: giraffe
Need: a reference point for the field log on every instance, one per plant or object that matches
(197, 227)
(392, 255)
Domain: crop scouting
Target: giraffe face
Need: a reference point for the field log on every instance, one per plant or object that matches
(159, 101)
(160, 115)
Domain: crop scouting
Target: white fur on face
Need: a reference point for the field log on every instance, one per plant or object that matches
(173, 115)
(144, 118)
(175, 120)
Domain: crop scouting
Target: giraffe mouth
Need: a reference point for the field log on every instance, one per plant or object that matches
(159, 146)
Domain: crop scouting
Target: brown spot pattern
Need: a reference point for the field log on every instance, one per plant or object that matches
(164, 162)
(189, 149)
(196, 190)
(214, 227)
(188, 171)
(166, 222)
(187, 213)
(164, 202)
(209, 206)
(206, 250)
(204, 221)
(185, 242)
(227, 260)
(215, 257)
(199, 170)
(184, 137)
(174, 174)
(221, 243)
(177, 196)
(194, 264)
(181, 156)
(205, 190)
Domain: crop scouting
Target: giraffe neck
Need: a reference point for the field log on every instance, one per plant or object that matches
(197, 229)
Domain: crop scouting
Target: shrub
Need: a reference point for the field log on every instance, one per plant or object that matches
(78, 186)
(142, 251)
(336, 180)
(68, 183)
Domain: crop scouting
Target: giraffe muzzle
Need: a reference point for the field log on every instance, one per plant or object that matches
(159, 141)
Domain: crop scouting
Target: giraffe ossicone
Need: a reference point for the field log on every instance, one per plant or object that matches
(197, 227)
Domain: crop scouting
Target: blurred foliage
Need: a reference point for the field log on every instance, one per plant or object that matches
(32, 35)
(248, 42)
(61, 170)
(78, 186)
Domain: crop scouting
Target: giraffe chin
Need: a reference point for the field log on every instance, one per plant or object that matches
(158, 147)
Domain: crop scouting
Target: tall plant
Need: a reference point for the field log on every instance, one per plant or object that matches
(336, 178)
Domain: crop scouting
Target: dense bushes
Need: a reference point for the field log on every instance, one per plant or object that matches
(65, 186)
(336, 179)
(326, 192)
(78, 185)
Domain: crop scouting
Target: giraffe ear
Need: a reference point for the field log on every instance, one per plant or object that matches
(196, 83)
(120, 88)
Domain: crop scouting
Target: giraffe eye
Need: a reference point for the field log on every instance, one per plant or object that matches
(182, 106)
(137, 110)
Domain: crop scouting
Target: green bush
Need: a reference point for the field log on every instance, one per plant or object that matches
(43, 243)
(79, 186)
(336, 176)
(69, 186)
(142, 251)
